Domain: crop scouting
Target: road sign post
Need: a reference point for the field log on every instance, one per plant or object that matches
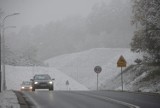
(121, 63)
(0, 63)
(97, 69)
(122, 78)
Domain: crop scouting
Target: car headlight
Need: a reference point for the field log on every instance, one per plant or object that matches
(35, 82)
(50, 82)
(22, 87)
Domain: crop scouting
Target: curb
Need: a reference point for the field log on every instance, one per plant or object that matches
(21, 100)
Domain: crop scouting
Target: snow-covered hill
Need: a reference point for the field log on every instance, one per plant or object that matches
(15, 76)
(80, 66)
(144, 78)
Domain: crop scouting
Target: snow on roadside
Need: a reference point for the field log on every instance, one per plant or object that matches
(8, 99)
(138, 78)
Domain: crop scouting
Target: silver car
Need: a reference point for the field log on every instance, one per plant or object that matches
(26, 86)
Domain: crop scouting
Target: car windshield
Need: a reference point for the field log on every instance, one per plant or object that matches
(42, 77)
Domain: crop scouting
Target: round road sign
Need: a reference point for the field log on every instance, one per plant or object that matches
(97, 69)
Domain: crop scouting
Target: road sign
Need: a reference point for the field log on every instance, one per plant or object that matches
(67, 82)
(121, 62)
(97, 69)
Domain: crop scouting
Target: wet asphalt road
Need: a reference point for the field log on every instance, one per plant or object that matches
(92, 99)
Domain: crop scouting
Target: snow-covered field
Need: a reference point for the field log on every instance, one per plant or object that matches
(15, 76)
(77, 68)
(80, 66)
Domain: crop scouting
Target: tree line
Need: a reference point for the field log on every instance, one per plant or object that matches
(146, 39)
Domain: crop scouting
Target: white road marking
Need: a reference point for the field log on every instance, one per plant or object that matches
(113, 100)
(121, 102)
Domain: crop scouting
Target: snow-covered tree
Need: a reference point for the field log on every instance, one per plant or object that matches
(147, 35)
(1, 14)
(29, 57)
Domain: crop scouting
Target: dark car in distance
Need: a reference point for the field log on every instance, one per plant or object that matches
(42, 81)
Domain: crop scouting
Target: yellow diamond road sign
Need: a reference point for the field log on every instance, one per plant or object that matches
(121, 62)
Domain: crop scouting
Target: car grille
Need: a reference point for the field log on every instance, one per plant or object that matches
(44, 83)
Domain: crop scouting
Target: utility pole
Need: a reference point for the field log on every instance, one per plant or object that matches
(0, 63)
(3, 47)
(3, 59)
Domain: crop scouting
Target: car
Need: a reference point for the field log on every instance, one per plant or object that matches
(26, 86)
(42, 81)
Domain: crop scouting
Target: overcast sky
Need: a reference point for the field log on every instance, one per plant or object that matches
(106, 25)
(34, 12)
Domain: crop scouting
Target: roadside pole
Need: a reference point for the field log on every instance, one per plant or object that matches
(122, 78)
(121, 63)
(97, 69)
(97, 81)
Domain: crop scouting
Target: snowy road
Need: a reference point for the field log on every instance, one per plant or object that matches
(92, 99)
